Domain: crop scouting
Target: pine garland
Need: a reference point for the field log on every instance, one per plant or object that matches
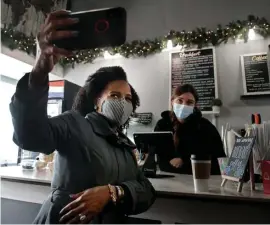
(200, 37)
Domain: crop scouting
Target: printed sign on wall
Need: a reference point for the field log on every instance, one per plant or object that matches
(255, 75)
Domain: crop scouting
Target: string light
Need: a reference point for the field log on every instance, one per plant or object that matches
(199, 38)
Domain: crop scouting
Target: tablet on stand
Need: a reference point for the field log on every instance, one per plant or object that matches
(154, 144)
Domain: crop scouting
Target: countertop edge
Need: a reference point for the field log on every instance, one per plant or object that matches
(40, 181)
(26, 181)
(160, 193)
(209, 196)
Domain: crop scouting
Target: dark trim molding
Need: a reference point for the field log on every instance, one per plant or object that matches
(251, 97)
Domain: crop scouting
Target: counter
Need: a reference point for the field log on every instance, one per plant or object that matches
(176, 199)
(179, 185)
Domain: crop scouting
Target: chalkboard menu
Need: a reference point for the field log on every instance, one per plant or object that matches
(195, 67)
(255, 74)
(239, 158)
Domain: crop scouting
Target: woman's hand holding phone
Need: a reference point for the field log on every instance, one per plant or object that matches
(50, 54)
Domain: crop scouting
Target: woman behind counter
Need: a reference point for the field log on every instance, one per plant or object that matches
(96, 178)
(192, 133)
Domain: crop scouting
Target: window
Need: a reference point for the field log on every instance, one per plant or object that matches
(8, 150)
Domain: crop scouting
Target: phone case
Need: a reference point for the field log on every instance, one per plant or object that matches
(96, 29)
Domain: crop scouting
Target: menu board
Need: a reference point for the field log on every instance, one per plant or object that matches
(255, 74)
(195, 67)
(239, 158)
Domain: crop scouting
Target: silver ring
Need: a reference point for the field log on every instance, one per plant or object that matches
(82, 217)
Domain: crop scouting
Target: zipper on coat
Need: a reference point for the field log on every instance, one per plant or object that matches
(117, 161)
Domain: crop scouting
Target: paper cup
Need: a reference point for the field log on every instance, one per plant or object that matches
(201, 170)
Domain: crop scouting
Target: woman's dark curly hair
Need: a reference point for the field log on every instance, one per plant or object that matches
(95, 84)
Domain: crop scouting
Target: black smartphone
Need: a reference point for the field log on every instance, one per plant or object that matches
(96, 29)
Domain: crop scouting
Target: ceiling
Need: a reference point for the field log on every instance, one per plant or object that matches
(15, 69)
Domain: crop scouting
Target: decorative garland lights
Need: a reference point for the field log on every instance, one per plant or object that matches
(200, 37)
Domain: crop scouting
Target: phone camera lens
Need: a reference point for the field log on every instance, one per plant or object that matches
(101, 26)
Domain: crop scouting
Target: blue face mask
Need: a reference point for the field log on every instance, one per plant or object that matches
(182, 111)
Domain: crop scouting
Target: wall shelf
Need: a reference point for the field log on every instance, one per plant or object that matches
(211, 113)
(251, 97)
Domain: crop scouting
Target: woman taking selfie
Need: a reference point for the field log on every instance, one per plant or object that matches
(193, 134)
(96, 178)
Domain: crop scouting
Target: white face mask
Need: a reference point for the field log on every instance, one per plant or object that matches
(182, 111)
(117, 110)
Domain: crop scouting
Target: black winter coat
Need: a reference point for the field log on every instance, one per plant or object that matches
(196, 135)
(89, 154)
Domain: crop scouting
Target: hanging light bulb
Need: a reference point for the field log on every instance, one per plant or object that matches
(251, 34)
(107, 55)
(169, 44)
(179, 47)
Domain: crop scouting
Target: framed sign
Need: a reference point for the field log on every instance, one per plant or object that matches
(255, 75)
(145, 118)
(240, 159)
(198, 68)
(142, 118)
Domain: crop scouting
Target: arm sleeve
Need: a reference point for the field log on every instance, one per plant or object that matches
(158, 126)
(33, 130)
(139, 195)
